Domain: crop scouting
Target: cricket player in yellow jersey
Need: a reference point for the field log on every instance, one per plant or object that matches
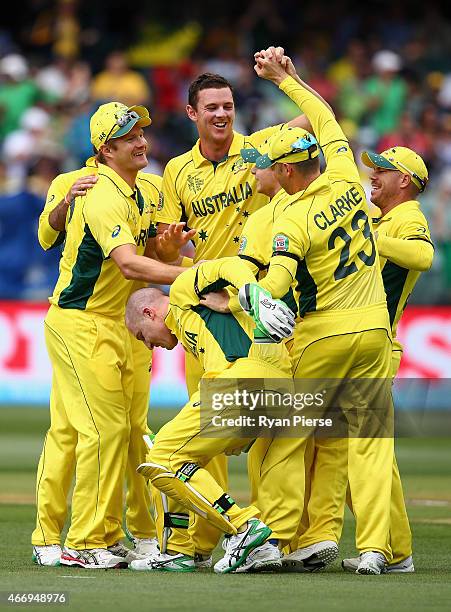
(56, 468)
(223, 344)
(405, 250)
(212, 189)
(88, 344)
(324, 241)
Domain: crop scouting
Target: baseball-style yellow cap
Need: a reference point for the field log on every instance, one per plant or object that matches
(290, 145)
(114, 120)
(402, 159)
(251, 154)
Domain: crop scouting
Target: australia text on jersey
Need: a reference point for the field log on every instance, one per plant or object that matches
(215, 203)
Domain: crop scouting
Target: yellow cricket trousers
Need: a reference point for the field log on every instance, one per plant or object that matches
(179, 442)
(200, 537)
(400, 533)
(92, 372)
(364, 461)
(54, 476)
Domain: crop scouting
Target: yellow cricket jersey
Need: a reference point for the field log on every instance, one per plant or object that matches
(217, 340)
(111, 214)
(406, 222)
(256, 244)
(323, 239)
(48, 236)
(215, 198)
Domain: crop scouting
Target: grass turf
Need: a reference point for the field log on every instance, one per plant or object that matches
(425, 467)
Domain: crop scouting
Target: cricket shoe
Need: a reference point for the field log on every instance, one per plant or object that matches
(311, 558)
(47, 555)
(237, 547)
(120, 550)
(403, 567)
(264, 558)
(143, 547)
(202, 561)
(372, 563)
(164, 562)
(92, 558)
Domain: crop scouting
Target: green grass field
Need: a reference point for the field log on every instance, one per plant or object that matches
(425, 466)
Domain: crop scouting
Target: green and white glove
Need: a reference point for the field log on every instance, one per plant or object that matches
(273, 318)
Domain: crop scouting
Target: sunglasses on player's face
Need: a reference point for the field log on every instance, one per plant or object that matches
(123, 120)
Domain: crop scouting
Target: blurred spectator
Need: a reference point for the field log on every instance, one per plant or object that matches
(386, 92)
(119, 82)
(408, 134)
(17, 92)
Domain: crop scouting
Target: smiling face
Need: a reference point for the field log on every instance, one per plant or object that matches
(129, 152)
(214, 114)
(386, 186)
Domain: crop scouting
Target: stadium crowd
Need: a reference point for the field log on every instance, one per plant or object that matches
(388, 78)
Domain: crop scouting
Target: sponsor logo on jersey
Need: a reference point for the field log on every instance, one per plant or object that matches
(342, 150)
(116, 231)
(160, 201)
(51, 198)
(195, 183)
(215, 203)
(243, 244)
(280, 243)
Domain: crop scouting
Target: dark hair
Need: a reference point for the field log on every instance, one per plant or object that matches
(309, 166)
(206, 81)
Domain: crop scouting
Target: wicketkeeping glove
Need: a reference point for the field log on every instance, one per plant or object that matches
(273, 319)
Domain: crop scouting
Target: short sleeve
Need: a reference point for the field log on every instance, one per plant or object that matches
(108, 223)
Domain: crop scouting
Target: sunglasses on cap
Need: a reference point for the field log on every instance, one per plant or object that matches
(123, 120)
(308, 144)
(423, 182)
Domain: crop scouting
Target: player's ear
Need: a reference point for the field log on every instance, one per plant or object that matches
(191, 112)
(149, 312)
(106, 151)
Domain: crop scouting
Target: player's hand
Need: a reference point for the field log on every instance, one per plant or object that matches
(175, 236)
(272, 52)
(81, 186)
(217, 301)
(274, 320)
(269, 68)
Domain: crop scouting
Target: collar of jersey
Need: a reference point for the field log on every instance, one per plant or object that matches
(91, 162)
(399, 209)
(235, 149)
(117, 180)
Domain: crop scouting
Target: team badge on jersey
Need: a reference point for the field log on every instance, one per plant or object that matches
(239, 166)
(116, 231)
(280, 243)
(243, 244)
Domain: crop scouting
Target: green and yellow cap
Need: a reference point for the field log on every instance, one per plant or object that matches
(290, 145)
(402, 159)
(114, 120)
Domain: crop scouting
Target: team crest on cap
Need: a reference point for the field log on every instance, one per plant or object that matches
(280, 243)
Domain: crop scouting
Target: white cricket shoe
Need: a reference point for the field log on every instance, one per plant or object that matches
(92, 558)
(47, 555)
(202, 561)
(405, 566)
(264, 558)
(120, 550)
(311, 558)
(372, 563)
(237, 547)
(145, 547)
(165, 562)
